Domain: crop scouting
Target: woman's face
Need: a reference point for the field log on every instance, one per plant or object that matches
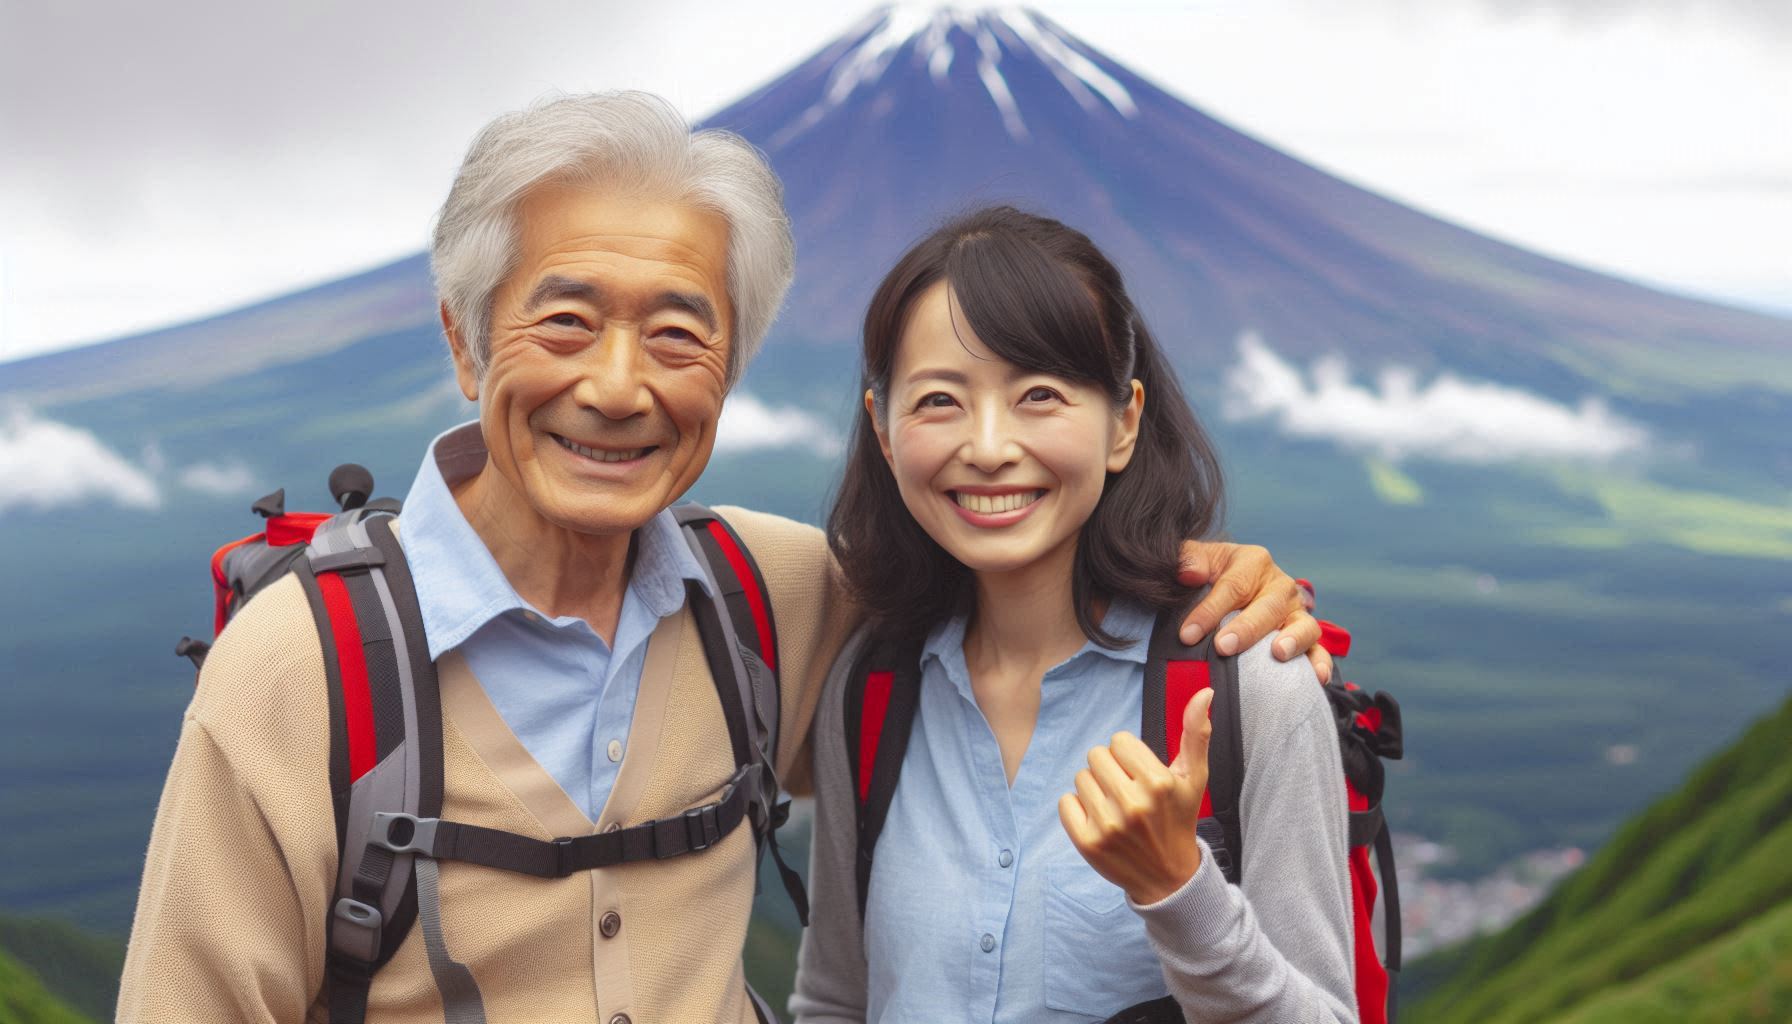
(1000, 465)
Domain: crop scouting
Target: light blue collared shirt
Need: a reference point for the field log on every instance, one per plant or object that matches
(566, 695)
(980, 908)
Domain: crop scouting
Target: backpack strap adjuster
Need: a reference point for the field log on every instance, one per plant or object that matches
(404, 833)
(354, 560)
(356, 930)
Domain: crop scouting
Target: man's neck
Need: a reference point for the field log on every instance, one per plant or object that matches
(561, 572)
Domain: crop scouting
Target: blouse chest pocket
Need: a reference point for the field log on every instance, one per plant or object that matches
(1098, 960)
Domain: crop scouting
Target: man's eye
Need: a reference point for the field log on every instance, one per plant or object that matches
(677, 334)
(565, 320)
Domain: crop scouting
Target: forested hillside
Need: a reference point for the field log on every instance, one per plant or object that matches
(1686, 915)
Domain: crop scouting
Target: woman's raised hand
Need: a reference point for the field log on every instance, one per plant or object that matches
(1133, 819)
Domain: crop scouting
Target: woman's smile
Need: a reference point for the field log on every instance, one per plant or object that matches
(991, 507)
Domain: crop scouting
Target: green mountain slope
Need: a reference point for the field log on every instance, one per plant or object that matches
(80, 969)
(23, 999)
(1685, 915)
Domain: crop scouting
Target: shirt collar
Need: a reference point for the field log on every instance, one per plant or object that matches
(459, 584)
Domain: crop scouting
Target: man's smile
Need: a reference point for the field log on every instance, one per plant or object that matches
(604, 454)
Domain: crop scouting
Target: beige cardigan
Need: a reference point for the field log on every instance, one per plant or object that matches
(230, 919)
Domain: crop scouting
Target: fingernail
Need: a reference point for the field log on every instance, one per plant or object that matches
(1227, 643)
(1284, 649)
(1191, 634)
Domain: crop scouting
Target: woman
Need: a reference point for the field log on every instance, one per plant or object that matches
(1023, 459)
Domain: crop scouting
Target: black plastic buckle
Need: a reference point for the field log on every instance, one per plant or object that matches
(562, 847)
(700, 825)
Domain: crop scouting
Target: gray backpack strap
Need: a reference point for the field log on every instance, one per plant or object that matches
(740, 643)
(385, 757)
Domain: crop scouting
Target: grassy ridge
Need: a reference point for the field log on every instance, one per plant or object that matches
(1689, 905)
(24, 1000)
(80, 969)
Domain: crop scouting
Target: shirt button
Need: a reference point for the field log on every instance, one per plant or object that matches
(531, 616)
(988, 943)
(615, 750)
(610, 925)
(1006, 858)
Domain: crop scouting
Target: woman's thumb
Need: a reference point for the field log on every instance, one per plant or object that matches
(1197, 729)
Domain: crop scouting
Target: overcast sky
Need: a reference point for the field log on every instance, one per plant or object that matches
(159, 162)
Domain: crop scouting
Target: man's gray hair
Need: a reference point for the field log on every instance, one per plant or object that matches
(631, 140)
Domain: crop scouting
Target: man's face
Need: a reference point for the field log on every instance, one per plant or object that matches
(609, 356)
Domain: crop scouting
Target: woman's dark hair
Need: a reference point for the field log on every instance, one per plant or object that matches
(1040, 295)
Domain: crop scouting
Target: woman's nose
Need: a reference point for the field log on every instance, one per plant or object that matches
(992, 444)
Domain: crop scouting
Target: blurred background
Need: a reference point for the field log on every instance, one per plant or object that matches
(1488, 303)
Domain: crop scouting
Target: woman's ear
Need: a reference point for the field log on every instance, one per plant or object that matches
(1126, 433)
(877, 424)
(464, 374)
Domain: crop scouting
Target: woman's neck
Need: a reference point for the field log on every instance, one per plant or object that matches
(1025, 618)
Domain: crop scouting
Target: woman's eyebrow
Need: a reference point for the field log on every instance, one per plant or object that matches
(930, 373)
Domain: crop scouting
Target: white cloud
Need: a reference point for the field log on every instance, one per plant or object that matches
(219, 478)
(1449, 418)
(748, 424)
(48, 465)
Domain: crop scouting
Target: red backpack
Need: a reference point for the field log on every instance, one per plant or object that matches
(884, 692)
(386, 771)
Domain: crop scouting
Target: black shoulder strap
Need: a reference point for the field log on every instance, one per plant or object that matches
(1174, 673)
(385, 751)
(740, 644)
(882, 696)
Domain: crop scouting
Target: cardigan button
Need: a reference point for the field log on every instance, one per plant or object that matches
(609, 925)
(621, 1018)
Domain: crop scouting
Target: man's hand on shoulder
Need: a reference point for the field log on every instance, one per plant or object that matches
(1246, 579)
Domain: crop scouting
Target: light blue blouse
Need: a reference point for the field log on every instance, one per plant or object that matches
(967, 865)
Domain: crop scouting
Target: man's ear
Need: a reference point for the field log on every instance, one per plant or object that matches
(877, 425)
(464, 374)
(1126, 437)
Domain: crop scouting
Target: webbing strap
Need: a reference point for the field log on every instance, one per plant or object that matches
(1163, 1010)
(761, 1008)
(461, 1002)
(1390, 902)
(696, 829)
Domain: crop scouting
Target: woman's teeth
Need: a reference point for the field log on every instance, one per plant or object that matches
(989, 504)
(598, 453)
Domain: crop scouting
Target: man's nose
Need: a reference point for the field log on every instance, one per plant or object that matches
(612, 378)
(992, 443)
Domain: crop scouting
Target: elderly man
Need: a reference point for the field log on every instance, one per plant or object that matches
(605, 275)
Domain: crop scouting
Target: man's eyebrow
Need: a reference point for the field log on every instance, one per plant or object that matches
(556, 287)
(697, 305)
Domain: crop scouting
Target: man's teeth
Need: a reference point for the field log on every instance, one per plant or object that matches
(598, 453)
(989, 504)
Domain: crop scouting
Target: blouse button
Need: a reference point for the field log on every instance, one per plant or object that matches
(988, 943)
(1006, 858)
(615, 750)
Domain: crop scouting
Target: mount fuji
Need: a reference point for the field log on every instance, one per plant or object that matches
(1555, 506)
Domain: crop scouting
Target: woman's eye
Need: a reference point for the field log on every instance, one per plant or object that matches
(1042, 395)
(935, 400)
